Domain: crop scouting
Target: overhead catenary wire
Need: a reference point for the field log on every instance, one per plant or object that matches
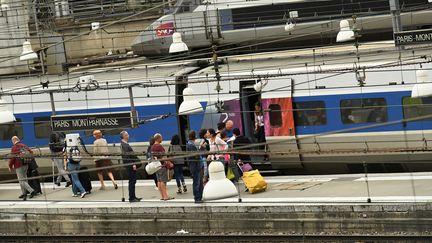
(164, 77)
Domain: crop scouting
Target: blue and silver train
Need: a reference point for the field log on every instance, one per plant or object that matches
(324, 130)
(242, 23)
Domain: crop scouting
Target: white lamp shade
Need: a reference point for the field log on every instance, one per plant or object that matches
(178, 45)
(289, 27)
(189, 105)
(218, 186)
(260, 85)
(345, 32)
(28, 53)
(95, 25)
(6, 116)
(423, 88)
(4, 7)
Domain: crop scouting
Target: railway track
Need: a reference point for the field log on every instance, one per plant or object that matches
(217, 238)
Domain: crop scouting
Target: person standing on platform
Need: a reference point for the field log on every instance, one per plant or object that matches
(72, 162)
(229, 125)
(238, 143)
(195, 168)
(158, 152)
(259, 127)
(176, 149)
(16, 163)
(57, 148)
(204, 146)
(100, 150)
(151, 142)
(220, 128)
(128, 157)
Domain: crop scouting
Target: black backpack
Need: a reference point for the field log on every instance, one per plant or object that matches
(57, 142)
(25, 156)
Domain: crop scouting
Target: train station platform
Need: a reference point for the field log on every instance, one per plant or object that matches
(328, 204)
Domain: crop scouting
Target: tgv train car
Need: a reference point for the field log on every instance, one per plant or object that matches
(262, 23)
(323, 124)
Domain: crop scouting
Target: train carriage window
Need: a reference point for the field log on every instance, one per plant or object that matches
(310, 113)
(42, 127)
(357, 111)
(416, 107)
(275, 115)
(7, 131)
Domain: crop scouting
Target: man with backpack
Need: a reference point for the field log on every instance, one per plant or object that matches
(57, 146)
(72, 164)
(21, 158)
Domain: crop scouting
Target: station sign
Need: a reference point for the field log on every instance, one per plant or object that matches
(95, 121)
(413, 37)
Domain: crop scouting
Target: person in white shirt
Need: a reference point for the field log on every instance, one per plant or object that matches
(216, 145)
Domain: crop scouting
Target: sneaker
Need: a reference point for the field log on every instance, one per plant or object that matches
(184, 188)
(57, 183)
(83, 194)
(134, 200)
(179, 190)
(75, 195)
(156, 189)
(22, 196)
(68, 184)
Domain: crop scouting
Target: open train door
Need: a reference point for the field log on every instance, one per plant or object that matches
(248, 98)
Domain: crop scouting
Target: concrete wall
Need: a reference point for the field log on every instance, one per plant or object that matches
(338, 219)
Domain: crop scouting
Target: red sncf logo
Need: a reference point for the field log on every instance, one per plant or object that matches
(165, 29)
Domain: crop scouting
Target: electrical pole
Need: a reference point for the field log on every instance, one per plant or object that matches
(396, 19)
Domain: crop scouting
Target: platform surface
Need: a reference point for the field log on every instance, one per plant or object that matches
(324, 189)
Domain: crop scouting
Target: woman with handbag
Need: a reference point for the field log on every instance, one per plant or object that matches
(158, 152)
(176, 149)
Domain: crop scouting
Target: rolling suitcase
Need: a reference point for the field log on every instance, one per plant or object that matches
(254, 181)
(85, 180)
(34, 183)
(32, 172)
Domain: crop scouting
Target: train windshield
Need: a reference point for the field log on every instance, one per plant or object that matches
(184, 6)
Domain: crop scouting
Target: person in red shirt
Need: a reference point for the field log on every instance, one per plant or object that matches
(158, 152)
(20, 169)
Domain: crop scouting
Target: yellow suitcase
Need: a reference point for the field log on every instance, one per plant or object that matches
(254, 181)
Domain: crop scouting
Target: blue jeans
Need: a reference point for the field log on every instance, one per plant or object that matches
(178, 172)
(197, 185)
(132, 182)
(76, 184)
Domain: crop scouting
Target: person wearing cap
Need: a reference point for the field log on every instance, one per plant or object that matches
(100, 151)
